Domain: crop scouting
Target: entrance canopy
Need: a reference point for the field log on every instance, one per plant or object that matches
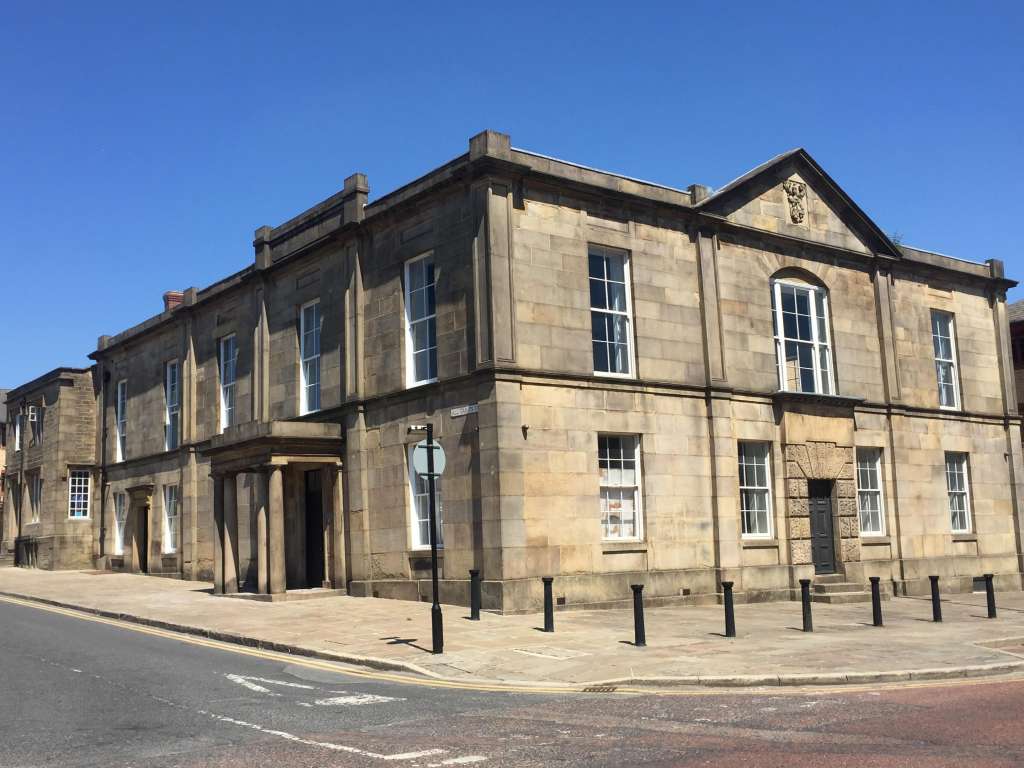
(257, 445)
(267, 449)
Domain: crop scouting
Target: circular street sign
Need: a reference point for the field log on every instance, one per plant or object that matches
(419, 458)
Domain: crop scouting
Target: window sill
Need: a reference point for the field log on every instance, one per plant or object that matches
(965, 537)
(610, 547)
(85, 519)
(754, 543)
(415, 384)
(610, 375)
(869, 539)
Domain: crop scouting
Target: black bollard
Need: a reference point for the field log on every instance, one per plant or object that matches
(936, 605)
(549, 605)
(474, 595)
(805, 598)
(876, 602)
(639, 635)
(730, 618)
(990, 596)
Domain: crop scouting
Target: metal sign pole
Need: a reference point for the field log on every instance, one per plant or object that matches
(436, 622)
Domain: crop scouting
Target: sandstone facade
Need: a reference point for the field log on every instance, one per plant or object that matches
(285, 496)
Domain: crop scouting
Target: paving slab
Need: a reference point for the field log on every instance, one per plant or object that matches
(685, 644)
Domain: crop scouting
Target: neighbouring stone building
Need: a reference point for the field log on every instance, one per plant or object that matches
(52, 471)
(631, 383)
(1015, 315)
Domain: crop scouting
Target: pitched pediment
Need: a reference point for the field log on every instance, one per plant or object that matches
(791, 195)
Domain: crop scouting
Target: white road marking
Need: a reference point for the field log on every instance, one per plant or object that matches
(326, 744)
(250, 682)
(467, 760)
(354, 700)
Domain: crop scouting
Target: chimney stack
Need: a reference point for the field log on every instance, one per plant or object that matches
(173, 300)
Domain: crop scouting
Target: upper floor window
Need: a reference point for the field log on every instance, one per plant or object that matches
(78, 493)
(17, 432)
(172, 410)
(755, 490)
(957, 491)
(420, 320)
(35, 495)
(120, 521)
(228, 367)
(611, 321)
(121, 419)
(419, 489)
(802, 343)
(35, 421)
(618, 459)
(310, 323)
(869, 492)
(172, 505)
(944, 344)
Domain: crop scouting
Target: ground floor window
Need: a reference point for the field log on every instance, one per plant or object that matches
(618, 459)
(869, 492)
(172, 505)
(755, 490)
(957, 492)
(120, 522)
(78, 493)
(420, 493)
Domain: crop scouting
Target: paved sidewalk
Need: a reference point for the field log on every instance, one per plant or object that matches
(685, 644)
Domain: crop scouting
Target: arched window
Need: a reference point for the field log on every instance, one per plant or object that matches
(803, 342)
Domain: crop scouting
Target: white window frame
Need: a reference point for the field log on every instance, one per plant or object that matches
(121, 420)
(35, 420)
(35, 496)
(120, 521)
(309, 360)
(964, 470)
(766, 489)
(419, 497)
(75, 493)
(172, 500)
(869, 460)
(172, 408)
(608, 486)
(819, 300)
(228, 348)
(604, 251)
(428, 318)
(17, 431)
(944, 361)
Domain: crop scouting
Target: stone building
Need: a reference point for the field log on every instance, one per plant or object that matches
(631, 383)
(5, 554)
(51, 471)
(1015, 314)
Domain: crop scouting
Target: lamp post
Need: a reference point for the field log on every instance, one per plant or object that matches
(436, 620)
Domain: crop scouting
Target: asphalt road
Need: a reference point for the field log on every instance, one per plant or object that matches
(76, 692)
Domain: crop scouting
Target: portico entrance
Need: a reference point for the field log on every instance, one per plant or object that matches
(297, 512)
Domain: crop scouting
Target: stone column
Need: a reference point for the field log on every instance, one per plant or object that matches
(230, 485)
(333, 496)
(275, 530)
(261, 534)
(218, 534)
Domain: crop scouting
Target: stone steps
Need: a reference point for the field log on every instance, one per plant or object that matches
(834, 590)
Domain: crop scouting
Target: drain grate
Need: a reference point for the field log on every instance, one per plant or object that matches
(601, 689)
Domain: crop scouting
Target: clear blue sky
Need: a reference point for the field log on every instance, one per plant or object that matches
(141, 144)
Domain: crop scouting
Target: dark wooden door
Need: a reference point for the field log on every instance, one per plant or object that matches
(823, 547)
(314, 530)
(144, 538)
